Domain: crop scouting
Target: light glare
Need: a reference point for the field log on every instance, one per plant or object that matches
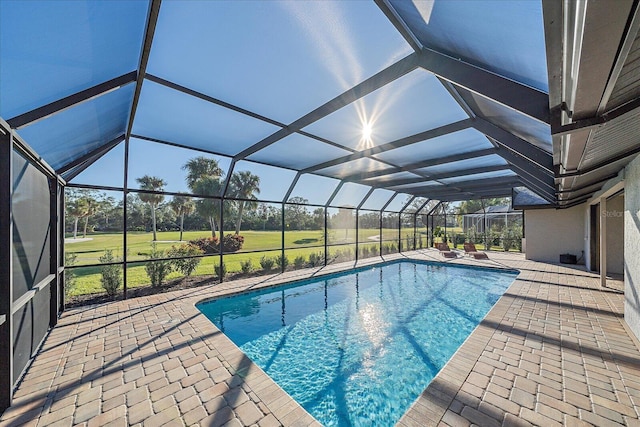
(366, 131)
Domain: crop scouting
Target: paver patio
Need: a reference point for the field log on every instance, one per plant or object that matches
(553, 351)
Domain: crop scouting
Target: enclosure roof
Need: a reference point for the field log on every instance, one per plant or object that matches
(448, 100)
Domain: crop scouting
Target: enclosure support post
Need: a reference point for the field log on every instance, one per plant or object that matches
(221, 244)
(603, 241)
(357, 227)
(54, 252)
(430, 232)
(61, 248)
(6, 282)
(326, 255)
(125, 226)
(484, 225)
(380, 235)
(399, 232)
(444, 210)
(415, 229)
(282, 241)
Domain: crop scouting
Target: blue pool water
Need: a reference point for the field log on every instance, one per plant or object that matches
(356, 349)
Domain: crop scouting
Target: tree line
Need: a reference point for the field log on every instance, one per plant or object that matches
(149, 210)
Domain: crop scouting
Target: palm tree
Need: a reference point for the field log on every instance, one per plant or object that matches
(182, 206)
(244, 186)
(151, 183)
(201, 167)
(208, 208)
(204, 178)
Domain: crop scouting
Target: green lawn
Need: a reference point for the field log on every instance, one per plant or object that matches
(297, 243)
(267, 243)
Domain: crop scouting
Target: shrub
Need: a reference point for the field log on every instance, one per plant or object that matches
(157, 270)
(517, 235)
(70, 280)
(299, 262)
(208, 245)
(246, 266)
(267, 263)
(511, 238)
(472, 235)
(316, 259)
(389, 248)
(408, 242)
(457, 239)
(374, 250)
(341, 255)
(364, 252)
(282, 261)
(185, 265)
(232, 242)
(494, 239)
(221, 271)
(111, 279)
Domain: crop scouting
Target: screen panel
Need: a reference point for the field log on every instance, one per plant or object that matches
(30, 325)
(277, 57)
(477, 162)
(108, 170)
(525, 127)
(68, 135)
(341, 226)
(368, 234)
(31, 226)
(87, 49)
(258, 227)
(350, 195)
(463, 141)
(414, 103)
(259, 181)
(504, 37)
(178, 167)
(378, 199)
(313, 189)
(94, 224)
(170, 115)
(298, 152)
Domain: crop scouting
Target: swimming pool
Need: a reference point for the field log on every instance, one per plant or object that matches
(357, 348)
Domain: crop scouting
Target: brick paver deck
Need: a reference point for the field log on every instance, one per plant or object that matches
(553, 351)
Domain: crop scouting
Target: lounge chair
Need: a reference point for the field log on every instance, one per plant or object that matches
(446, 251)
(470, 249)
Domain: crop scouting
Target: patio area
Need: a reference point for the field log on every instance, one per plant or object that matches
(554, 350)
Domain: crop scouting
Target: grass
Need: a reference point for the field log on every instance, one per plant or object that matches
(268, 243)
